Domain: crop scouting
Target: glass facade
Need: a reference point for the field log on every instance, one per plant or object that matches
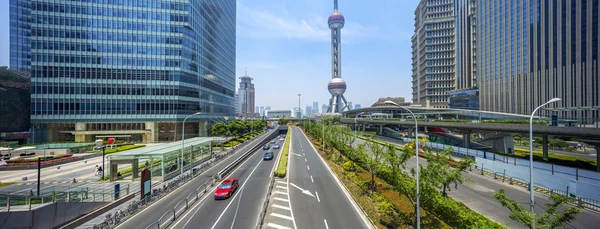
(562, 36)
(125, 60)
(467, 99)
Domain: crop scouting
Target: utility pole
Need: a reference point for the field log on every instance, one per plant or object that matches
(299, 110)
(39, 174)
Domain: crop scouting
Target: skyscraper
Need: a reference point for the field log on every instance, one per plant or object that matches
(262, 111)
(315, 107)
(433, 45)
(237, 104)
(531, 51)
(337, 86)
(246, 94)
(138, 67)
(356, 106)
(324, 108)
(308, 110)
(349, 105)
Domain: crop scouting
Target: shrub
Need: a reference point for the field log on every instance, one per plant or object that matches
(449, 120)
(349, 166)
(535, 122)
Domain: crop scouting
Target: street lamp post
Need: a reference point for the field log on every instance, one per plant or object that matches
(531, 197)
(299, 110)
(183, 137)
(418, 210)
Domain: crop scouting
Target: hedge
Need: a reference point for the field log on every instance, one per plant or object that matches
(282, 167)
(536, 122)
(449, 120)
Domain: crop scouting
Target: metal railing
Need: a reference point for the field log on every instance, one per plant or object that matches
(264, 208)
(579, 201)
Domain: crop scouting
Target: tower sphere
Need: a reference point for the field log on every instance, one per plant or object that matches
(337, 86)
(336, 20)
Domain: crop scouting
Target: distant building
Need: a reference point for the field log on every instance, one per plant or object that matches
(324, 108)
(267, 108)
(356, 106)
(279, 113)
(246, 94)
(262, 111)
(399, 100)
(256, 109)
(308, 110)
(349, 105)
(315, 107)
(297, 112)
(15, 106)
(465, 99)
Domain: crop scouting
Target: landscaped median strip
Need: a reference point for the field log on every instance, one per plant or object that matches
(282, 166)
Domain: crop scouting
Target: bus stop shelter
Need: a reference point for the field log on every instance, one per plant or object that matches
(163, 160)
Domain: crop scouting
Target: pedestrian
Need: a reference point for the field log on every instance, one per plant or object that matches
(100, 171)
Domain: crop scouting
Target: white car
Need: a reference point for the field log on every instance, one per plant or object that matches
(281, 139)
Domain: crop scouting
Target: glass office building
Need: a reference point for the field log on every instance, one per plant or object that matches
(132, 67)
(530, 51)
(465, 99)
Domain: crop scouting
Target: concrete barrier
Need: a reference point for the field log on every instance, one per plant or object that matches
(47, 216)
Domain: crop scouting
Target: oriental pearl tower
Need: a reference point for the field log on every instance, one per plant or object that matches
(336, 86)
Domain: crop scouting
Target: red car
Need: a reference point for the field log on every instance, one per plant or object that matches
(226, 188)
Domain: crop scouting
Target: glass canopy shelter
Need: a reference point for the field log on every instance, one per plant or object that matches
(162, 160)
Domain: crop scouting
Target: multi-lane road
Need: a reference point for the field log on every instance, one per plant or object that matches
(317, 199)
(315, 196)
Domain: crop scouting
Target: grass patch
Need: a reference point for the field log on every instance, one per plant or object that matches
(558, 159)
(5, 184)
(282, 167)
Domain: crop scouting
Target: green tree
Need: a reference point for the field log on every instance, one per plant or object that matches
(558, 143)
(550, 218)
(281, 121)
(220, 129)
(372, 161)
(448, 173)
(237, 128)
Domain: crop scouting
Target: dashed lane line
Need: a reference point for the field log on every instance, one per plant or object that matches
(281, 199)
(277, 226)
(280, 207)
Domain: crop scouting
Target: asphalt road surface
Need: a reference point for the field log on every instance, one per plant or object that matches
(479, 196)
(156, 210)
(243, 208)
(316, 198)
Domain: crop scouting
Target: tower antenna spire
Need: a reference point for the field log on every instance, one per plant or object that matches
(246, 70)
(335, 8)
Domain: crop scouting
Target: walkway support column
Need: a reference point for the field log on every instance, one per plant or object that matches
(380, 129)
(467, 140)
(410, 132)
(545, 146)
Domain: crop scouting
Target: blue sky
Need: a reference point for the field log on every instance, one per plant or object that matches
(285, 46)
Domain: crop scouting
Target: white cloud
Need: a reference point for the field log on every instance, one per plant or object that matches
(261, 23)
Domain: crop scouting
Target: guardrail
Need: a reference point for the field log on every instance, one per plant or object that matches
(172, 214)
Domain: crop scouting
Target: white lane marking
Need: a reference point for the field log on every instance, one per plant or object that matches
(241, 189)
(304, 159)
(281, 182)
(287, 179)
(281, 207)
(318, 197)
(281, 199)
(362, 215)
(282, 216)
(307, 167)
(283, 193)
(311, 179)
(277, 226)
(282, 187)
(303, 191)
(199, 203)
(326, 226)
(303, 154)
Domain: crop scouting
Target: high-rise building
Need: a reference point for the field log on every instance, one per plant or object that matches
(237, 104)
(267, 108)
(246, 94)
(433, 50)
(256, 109)
(349, 105)
(356, 106)
(531, 51)
(337, 86)
(137, 67)
(262, 111)
(315, 107)
(308, 110)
